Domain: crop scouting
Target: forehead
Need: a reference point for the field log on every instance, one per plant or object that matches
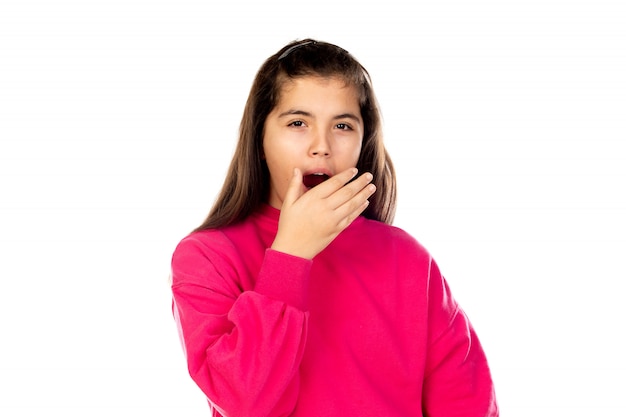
(308, 88)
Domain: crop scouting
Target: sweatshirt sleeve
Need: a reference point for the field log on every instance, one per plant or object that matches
(457, 377)
(243, 347)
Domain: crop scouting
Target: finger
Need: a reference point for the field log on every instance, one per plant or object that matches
(354, 206)
(294, 190)
(349, 191)
(350, 209)
(353, 214)
(335, 182)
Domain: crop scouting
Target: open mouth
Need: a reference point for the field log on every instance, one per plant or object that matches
(311, 180)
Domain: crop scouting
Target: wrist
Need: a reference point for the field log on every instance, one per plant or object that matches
(287, 249)
(285, 277)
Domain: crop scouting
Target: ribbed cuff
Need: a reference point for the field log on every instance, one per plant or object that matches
(285, 277)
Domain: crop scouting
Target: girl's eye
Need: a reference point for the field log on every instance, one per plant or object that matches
(343, 126)
(297, 123)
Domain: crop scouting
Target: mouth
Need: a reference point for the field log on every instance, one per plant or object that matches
(311, 180)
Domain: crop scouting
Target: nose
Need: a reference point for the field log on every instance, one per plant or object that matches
(320, 146)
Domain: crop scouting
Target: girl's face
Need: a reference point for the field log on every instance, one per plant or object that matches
(316, 127)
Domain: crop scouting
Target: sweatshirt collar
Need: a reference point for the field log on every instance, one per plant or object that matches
(269, 212)
(267, 217)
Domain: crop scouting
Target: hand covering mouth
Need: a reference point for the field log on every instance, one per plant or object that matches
(311, 180)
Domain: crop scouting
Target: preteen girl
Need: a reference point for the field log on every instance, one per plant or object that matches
(296, 296)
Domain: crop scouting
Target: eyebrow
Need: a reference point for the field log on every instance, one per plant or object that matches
(295, 112)
(307, 114)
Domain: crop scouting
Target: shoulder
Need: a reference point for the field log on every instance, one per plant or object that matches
(388, 238)
(392, 234)
(203, 241)
(220, 241)
(201, 252)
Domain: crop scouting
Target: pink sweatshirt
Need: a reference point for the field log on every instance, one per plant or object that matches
(367, 328)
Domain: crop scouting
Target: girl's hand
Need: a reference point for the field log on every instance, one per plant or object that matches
(310, 220)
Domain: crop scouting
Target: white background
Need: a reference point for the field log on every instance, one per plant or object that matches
(506, 120)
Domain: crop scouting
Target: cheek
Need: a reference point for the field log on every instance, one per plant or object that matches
(358, 150)
(355, 154)
(271, 167)
(279, 171)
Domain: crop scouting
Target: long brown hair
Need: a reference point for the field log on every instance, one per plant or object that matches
(247, 182)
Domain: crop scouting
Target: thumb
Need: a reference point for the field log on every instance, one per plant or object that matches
(294, 190)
